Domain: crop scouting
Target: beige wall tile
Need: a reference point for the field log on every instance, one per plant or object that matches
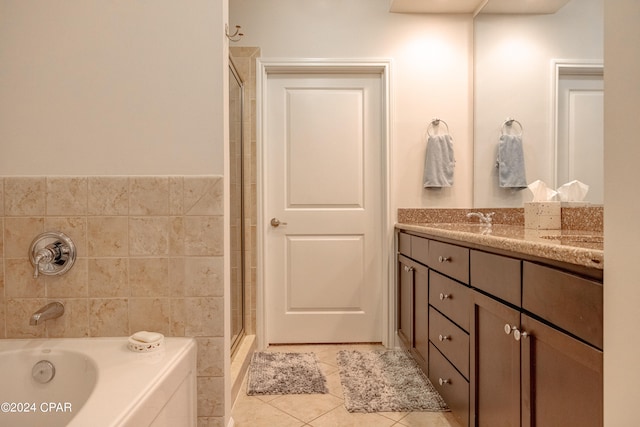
(204, 317)
(107, 236)
(210, 356)
(108, 317)
(108, 277)
(19, 281)
(72, 284)
(177, 276)
(75, 227)
(203, 236)
(203, 195)
(149, 195)
(24, 196)
(2, 317)
(203, 276)
(149, 277)
(176, 235)
(66, 196)
(1, 197)
(176, 195)
(18, 235)
(108, 195)
(210, 421)
(149, 235)
(210, 396)
(178, 317)
(74, 323)
(150, 314)
(18, 312)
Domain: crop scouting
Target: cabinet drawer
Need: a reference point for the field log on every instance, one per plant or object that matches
(452, 341)
(449, 259)
(450, 298)
(404, 244)
(496, 275)
(420, 249)
(570, 302)
(454, 388)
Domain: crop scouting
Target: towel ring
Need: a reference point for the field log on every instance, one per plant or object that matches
(436, 123)
(509, 123)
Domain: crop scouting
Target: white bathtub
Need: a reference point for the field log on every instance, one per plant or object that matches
(98, 382)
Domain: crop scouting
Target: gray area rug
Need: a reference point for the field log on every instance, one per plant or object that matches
(285, 373)
(385, 381)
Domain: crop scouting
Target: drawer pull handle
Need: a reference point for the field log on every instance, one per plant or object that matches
(508, 329)
(443, 337)
(444, 258)
(519, 335)
(444, 296)
(442, 381)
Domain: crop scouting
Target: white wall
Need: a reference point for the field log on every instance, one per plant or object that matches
(111, 87)
(431, 73)
(622, 227)
(513, 78)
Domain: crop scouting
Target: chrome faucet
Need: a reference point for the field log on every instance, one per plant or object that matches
(52, 310)
(484, 218)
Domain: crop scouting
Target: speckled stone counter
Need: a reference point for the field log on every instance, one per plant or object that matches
(578, 245)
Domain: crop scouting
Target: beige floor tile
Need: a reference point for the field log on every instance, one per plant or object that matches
(335, 385)
(341, 417)
(306, 407)
(429, 419)
(395, 416)
(251, 412)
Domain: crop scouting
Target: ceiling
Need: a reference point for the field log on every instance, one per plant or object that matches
(477, 6)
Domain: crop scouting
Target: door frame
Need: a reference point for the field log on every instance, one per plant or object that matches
(382, 67)
(562, 67)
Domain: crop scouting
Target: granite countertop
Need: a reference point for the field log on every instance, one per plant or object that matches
(580, 247)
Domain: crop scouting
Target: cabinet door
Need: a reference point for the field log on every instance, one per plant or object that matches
(495, 364)
(561, 379)
(405, 301)
(421, 316)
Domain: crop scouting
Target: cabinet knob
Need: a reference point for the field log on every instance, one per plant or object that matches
(509, 328)
(444, 258)
(442, 381)
(443, 337)
(519, 335)
(408, 269)
(444, 296)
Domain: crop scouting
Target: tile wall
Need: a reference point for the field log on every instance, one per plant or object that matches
(150, 257)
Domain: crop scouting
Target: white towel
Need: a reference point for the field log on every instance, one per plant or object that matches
(439, 162)
(511, 171)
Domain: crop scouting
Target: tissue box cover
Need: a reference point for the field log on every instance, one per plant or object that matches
(542, 216)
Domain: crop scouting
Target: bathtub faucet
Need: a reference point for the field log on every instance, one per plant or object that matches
(50, 311)
(484, 218)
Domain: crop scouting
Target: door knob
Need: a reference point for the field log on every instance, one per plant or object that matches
(275, 222)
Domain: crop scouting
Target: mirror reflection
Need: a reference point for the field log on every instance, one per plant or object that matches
(545, 71)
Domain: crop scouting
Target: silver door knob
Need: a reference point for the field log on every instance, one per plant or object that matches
(275, 222)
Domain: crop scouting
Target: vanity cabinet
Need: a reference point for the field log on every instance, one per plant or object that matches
(510, 340)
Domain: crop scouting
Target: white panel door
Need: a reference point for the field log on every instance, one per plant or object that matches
(581, 133)
(324, 184)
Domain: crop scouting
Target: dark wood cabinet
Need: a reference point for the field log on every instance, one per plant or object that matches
(561, 378)
(495, 363)
(507, 341)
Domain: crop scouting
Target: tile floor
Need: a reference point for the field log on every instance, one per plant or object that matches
(323, 410)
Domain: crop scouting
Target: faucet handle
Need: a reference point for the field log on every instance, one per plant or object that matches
(52, 253)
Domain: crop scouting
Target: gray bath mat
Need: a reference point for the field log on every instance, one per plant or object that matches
(285, 373)
(385, 381)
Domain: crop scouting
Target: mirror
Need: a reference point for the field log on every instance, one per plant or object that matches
(543, 71)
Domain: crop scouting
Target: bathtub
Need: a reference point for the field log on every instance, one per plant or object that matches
(97, 382)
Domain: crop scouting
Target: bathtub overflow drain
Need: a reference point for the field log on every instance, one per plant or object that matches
(43, 371)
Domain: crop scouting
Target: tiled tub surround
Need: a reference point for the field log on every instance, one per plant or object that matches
(150, 257)
(580, 241)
